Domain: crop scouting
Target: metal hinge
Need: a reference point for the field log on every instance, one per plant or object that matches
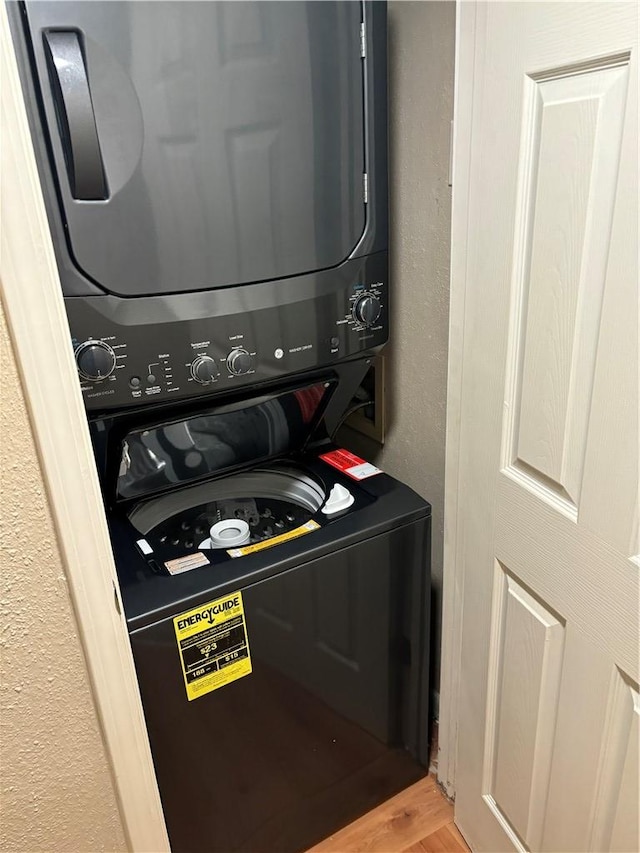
(363, 40)
(365, 187)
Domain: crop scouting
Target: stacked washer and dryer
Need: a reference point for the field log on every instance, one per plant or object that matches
(215, 176)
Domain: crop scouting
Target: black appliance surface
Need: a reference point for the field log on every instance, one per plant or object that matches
(229, 134)
(215, 176)
(332, 719)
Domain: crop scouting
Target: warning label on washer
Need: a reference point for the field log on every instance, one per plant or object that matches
(185, 564)
(350, 464)
(309, 527)
(213, 645)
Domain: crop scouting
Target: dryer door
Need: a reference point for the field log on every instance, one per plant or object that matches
(200, 145)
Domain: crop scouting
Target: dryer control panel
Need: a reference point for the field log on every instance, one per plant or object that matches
(129, 352)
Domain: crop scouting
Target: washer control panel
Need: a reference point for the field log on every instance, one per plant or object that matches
(154, 353)
(239, 361)
(95, 360)
(367, 308)
(204, 369)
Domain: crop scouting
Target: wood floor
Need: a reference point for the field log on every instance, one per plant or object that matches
(418, 820)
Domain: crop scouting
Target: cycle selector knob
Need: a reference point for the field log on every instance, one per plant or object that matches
(367, 309)
(204, 369)
(239, 362)
(95, 360)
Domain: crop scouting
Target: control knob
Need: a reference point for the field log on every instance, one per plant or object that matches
(239, 362)
(95, 360)
(204, 369)
(367, 309)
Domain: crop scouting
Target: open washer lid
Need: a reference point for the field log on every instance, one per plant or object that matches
(167, 456)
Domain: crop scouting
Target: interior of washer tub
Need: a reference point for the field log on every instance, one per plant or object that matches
(257, 504)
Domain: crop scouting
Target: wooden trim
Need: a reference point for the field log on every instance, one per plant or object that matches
(35, 313)
(467, 23)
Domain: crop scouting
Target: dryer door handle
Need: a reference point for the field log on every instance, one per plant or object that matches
(76, 118)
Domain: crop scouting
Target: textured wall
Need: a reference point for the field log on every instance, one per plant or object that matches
(421, 63)
(56, 791)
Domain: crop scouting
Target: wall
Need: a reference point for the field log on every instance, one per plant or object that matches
(421, 64)
(56, 790)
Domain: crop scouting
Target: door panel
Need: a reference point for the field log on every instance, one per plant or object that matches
(547, 531)
(231, 136)
(617, 783)
(572, 137)
(526, 658)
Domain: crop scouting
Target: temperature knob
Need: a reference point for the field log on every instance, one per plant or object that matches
(239, 361)
(95, 360)
(204, 369)
(367, 309)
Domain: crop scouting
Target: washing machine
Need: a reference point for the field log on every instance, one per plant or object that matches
(276, 592)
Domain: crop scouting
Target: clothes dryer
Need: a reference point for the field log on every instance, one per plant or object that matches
(215, 177)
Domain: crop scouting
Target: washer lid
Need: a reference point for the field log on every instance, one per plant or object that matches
(161, 457)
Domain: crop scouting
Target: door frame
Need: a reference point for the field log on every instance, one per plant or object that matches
(468, 24)
(34, 308)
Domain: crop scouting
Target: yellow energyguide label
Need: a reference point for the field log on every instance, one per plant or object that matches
(213, 644)
(275, 540)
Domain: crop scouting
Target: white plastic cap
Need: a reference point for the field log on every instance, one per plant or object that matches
(339, 498)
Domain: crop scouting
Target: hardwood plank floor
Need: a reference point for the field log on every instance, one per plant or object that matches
(447, 839)
(417, 820)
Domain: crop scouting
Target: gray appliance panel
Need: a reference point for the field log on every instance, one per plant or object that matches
(230, 135)
(285, 327)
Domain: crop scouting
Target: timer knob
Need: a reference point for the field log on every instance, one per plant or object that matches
(95, 360)
(367, 309)
(204, 369)
(239, 361)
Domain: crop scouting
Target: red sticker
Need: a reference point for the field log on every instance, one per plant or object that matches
(350, 464)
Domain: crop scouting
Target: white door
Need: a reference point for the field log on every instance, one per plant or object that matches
(543, 426)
